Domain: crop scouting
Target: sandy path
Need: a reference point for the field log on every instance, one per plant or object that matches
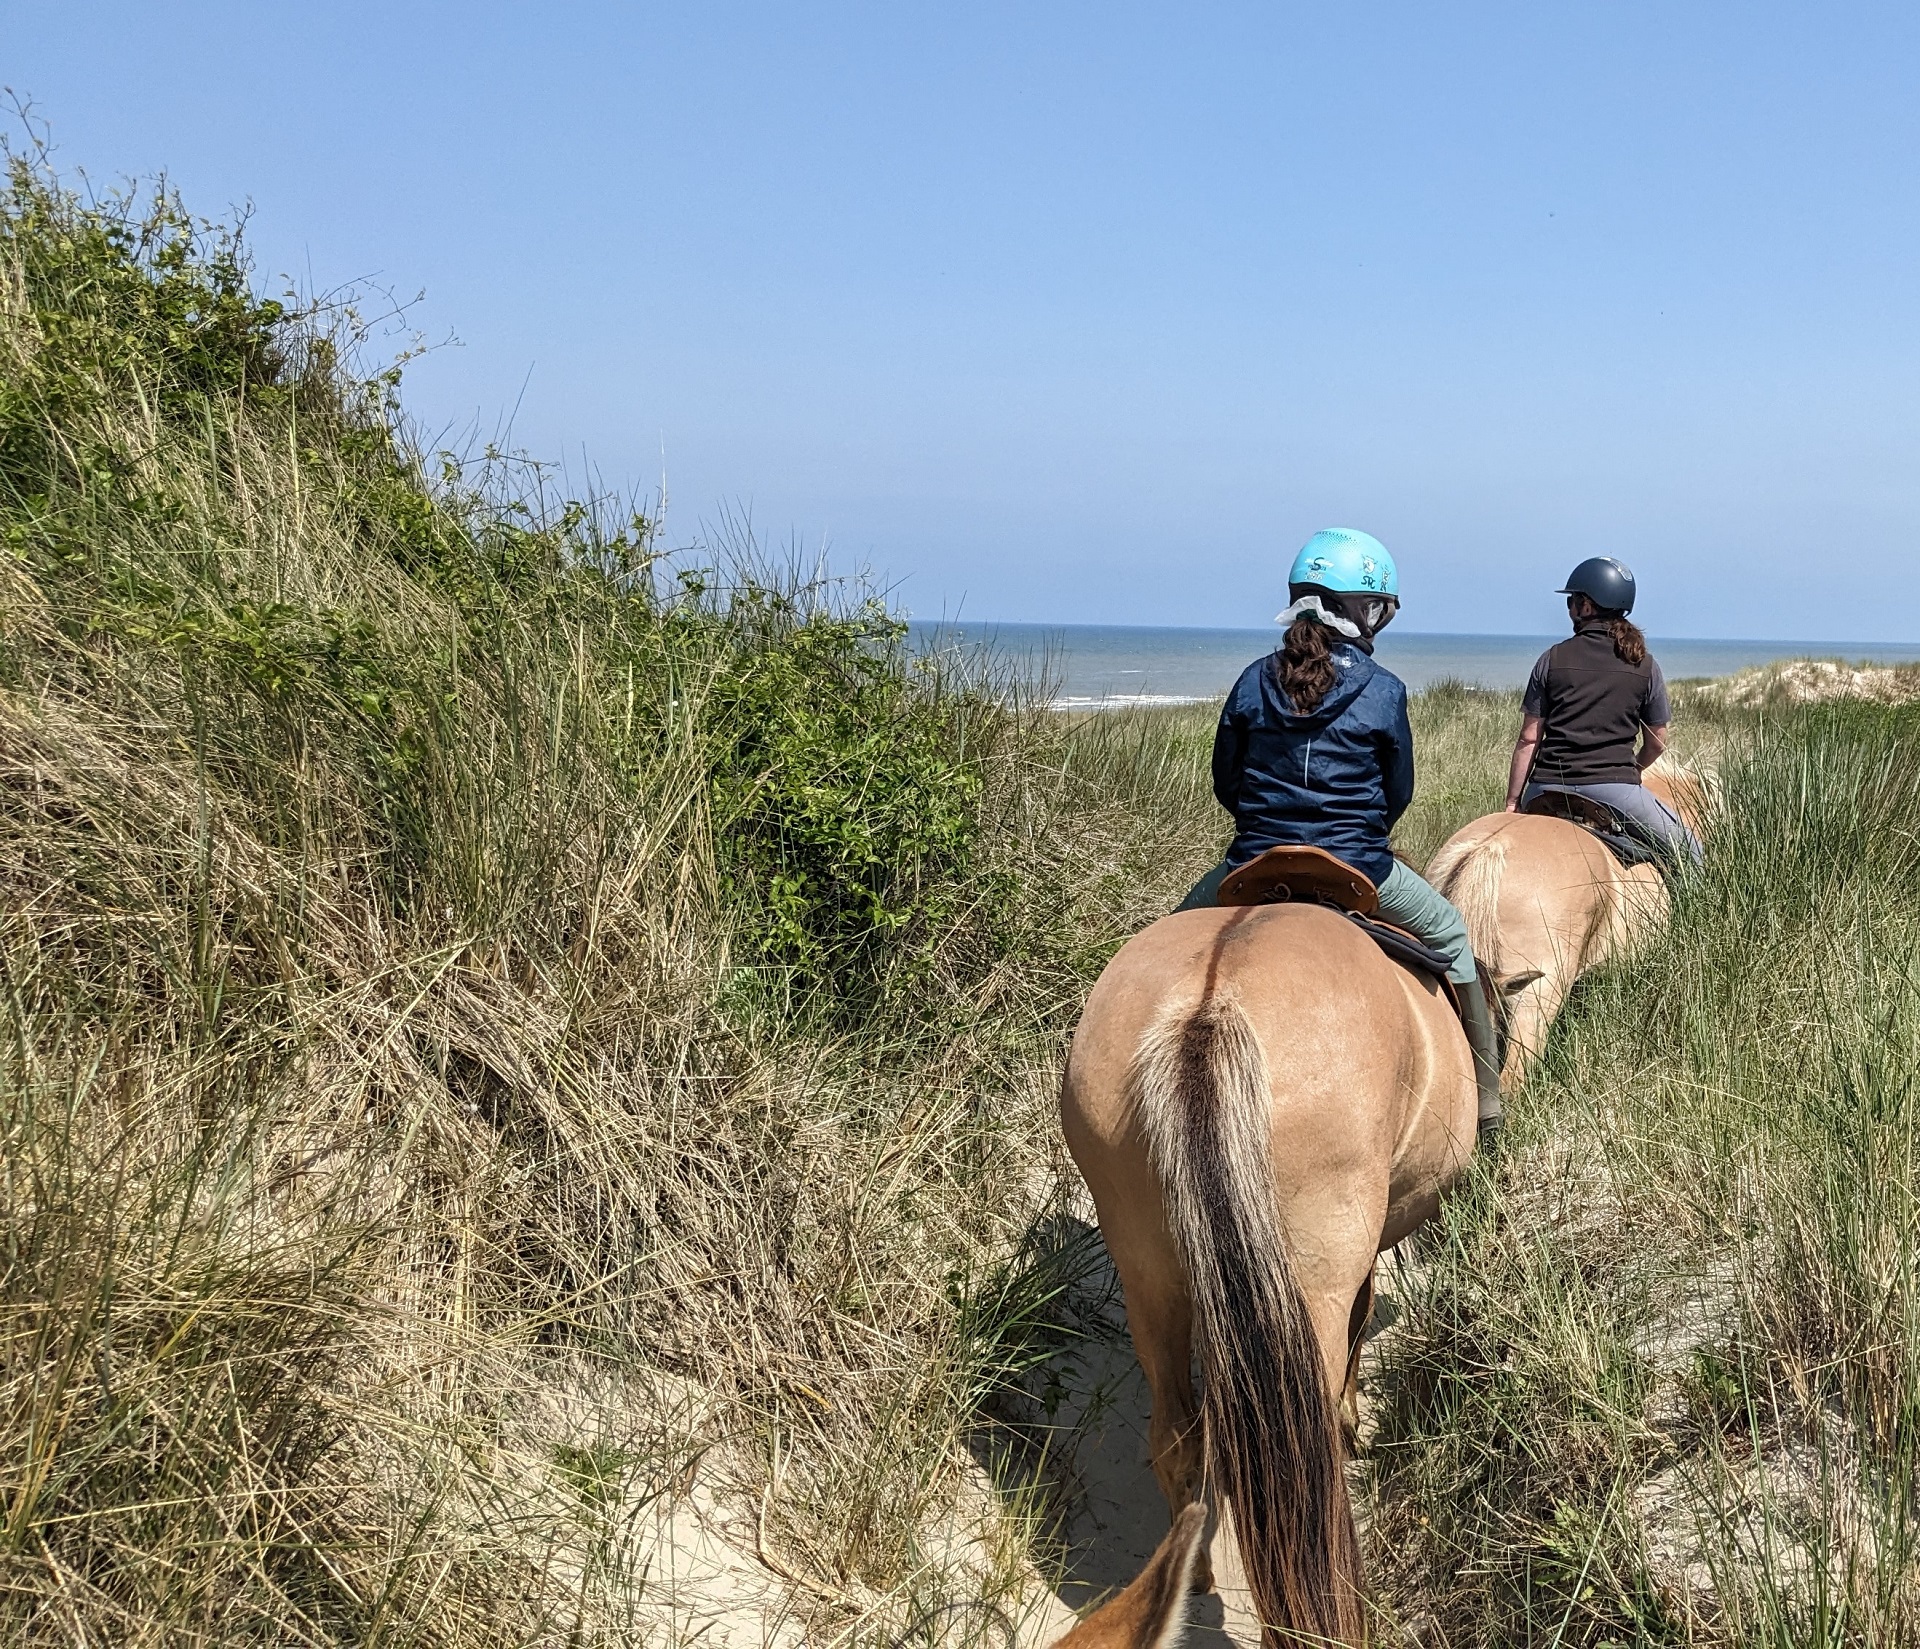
(1122, 1516)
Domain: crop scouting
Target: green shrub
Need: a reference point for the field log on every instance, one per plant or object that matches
(850, 798)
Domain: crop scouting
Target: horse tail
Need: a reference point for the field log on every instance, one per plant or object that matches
(1469, 872)
(1274, 1450)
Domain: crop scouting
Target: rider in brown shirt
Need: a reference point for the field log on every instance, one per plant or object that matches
(1596, 711)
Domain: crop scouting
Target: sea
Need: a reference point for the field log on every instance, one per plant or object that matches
(1112, 666)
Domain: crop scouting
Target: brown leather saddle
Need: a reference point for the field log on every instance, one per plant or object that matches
(1622, 838)
(1310, 875)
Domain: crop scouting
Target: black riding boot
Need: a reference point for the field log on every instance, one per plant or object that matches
(1476, 1018)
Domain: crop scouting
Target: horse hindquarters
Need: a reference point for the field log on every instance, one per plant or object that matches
(1543, 901)
(1204, 1102)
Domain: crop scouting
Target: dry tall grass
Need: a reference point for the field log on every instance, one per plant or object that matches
(504, 1032)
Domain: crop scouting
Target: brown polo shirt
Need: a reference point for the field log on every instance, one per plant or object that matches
(1592, 705)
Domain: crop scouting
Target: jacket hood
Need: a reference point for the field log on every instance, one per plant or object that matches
(1352, 671)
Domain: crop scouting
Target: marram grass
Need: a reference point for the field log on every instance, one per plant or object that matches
(502, 1028)
(1655, 1377)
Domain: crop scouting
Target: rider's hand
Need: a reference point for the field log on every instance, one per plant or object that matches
(1513, 807)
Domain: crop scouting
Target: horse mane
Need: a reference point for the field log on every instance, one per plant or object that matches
(1470, 873)
(1692, 789)
(1203, 1098)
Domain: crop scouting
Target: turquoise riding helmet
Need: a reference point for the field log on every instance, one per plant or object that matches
(1346, 560)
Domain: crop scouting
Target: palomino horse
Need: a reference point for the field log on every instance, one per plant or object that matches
(1261, 1102)
(1151, 1611)
(1544, 901)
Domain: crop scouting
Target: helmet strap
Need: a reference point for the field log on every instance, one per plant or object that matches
(1359, 615)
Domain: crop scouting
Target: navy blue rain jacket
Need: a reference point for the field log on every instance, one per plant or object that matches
(1338, 779)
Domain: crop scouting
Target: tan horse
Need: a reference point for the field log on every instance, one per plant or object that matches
(1261, 1102)
(1151, 1611)
(1544, 901)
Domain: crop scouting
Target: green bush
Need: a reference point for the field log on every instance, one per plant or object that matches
(850, 797)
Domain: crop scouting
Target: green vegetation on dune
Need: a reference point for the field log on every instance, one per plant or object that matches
(494, 1016)
(1462, 737)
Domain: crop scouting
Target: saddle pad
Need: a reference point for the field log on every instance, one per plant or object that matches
(1402, 947)
(1631, 851)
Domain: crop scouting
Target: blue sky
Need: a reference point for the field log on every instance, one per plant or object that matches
(1093, 312)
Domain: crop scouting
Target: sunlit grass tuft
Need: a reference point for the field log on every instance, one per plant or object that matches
(1655, 1377)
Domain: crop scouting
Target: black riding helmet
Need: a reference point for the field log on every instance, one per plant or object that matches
(1605, 582)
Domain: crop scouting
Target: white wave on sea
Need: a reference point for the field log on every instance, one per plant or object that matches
(1124, 701)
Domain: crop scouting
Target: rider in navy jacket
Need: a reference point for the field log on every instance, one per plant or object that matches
(1338, 778)
(1339, 775)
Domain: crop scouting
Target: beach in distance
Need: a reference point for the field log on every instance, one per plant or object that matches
(1090, 666)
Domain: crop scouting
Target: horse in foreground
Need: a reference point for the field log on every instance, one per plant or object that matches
(1149, 1613)
(1260, 1102)
(1545, 900)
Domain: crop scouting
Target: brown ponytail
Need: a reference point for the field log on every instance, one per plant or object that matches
(1306, 669)
(1629, 644)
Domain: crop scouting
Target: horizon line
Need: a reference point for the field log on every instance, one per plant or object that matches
(1451, 635)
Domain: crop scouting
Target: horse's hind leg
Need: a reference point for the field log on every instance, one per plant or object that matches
(1357, 1320)
(1530, 1012)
